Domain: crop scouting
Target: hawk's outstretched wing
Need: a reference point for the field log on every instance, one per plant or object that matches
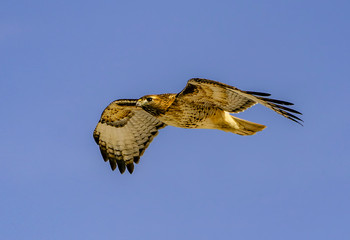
(124, 132)
(232, 99)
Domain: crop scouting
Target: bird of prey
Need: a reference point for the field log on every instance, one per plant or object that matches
(127, 126)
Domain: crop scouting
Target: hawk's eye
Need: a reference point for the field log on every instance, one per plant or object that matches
(149, 99)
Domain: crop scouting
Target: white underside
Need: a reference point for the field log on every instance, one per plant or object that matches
(228, 118)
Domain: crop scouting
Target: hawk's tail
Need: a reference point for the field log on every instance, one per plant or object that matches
(245, 127)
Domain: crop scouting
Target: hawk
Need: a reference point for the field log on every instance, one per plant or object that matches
(127, 126)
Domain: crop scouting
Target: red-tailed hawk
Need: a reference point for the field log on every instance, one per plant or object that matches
(127, 126)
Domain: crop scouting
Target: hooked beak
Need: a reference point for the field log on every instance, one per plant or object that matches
(138, 103)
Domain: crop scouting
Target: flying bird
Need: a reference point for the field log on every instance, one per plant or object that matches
(127, 126)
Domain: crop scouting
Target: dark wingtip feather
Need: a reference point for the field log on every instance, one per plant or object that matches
(292, 116)
(277, 101)
(258, 93)
(121, 166)
(296, 121)
(285, 111)
(113, 164)
(130, 167)
(104, 154)
(137, 159)
(288, 115)
(288, 109)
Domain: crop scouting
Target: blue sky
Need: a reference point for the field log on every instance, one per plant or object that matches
(63, 62)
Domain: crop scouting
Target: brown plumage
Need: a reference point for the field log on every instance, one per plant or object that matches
(127, 126)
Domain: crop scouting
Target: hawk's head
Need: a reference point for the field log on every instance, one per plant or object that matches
(155, 104)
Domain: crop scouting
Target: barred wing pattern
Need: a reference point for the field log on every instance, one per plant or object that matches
(124, 132)
(232, 99)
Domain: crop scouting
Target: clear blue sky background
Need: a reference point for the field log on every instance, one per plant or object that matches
(63, 62)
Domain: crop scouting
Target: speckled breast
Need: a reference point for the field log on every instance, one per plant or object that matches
(187, 115)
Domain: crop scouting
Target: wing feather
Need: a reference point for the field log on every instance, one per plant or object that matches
(203, 91)
(124, 132)
(232, 99)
